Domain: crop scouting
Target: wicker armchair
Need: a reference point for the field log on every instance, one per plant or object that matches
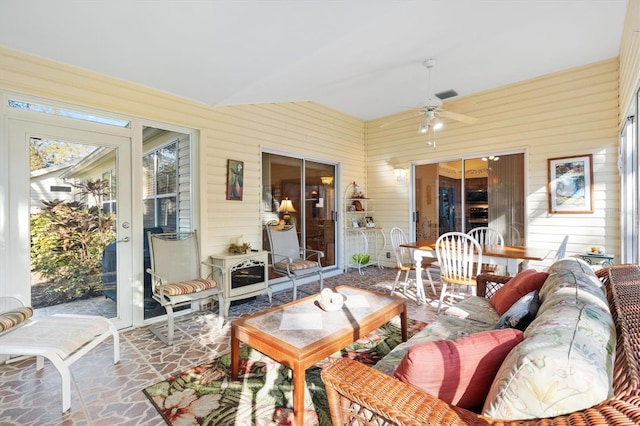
(361, 395)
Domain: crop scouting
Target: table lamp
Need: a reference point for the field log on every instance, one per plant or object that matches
(286, 207)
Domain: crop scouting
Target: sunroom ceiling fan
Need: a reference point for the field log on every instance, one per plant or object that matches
(432, 110)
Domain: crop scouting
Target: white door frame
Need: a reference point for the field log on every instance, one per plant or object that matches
(14, 215)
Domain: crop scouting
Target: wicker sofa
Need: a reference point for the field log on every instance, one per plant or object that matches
(359, 394)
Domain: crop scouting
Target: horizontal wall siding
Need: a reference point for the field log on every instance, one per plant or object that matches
(231, 132)
(564, 114)
(629, 59)
(299, 129)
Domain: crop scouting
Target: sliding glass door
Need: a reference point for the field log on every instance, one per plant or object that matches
(301, 192)
(464, 194)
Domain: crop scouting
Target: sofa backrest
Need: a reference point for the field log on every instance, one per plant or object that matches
(565, 362)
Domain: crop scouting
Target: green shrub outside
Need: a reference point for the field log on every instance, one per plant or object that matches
(67, 242)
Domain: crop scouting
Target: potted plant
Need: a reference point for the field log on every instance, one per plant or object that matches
(360, 259)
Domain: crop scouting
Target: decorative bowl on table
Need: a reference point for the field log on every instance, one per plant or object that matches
(329, 300)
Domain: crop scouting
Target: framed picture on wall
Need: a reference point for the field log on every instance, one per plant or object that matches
(571, 184)
(235, 176)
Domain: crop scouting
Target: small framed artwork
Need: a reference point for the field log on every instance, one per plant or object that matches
(354, 223)
(571, 184)
(369, 223)
(235, 176)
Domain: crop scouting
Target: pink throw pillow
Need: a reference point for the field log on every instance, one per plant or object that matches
(522, 284)
(459, 371)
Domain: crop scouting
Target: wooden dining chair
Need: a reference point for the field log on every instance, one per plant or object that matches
(460, 258)
(405, 263)
(486, 236)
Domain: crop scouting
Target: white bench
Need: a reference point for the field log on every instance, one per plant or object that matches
(62, 339)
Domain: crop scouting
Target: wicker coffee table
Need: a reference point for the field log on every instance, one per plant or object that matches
(300, 333)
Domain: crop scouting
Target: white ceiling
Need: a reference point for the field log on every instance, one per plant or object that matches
(361, 57)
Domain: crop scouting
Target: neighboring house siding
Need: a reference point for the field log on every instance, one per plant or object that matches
(46, 185)
(569, 113)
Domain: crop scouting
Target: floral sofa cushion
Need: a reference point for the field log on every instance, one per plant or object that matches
(565, 362)
(443, 328)
(471, 315)
(476, 309)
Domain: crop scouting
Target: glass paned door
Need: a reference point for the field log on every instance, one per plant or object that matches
(76, 218)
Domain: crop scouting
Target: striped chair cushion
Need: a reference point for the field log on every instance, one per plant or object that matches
(14, 317)
(186, 287)
(298, 265)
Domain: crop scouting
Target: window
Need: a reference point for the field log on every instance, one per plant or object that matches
(109, 199)
(160, 192)
(629, 187)
(57, 188)
(63, 112)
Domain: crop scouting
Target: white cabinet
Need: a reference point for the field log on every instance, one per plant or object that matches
(365, 240)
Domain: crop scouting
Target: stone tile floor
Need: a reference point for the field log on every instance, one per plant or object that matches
(106, 394)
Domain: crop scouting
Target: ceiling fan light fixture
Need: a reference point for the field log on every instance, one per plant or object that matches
(437, 124)
(424, 126)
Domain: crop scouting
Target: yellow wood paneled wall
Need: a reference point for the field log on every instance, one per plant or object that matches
(568, 113)
(629, 59)
(236, 132)
(297, 128)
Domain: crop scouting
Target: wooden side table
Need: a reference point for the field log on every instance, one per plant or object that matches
(602, 259)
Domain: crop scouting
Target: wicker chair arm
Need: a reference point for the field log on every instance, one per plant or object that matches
(487, 284)
(351, 386)
(356, 392)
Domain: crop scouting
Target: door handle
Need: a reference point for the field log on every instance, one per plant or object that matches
(124, 240)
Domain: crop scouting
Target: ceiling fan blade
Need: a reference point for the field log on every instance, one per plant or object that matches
(459, 104)
(397, 120)
(458, 117)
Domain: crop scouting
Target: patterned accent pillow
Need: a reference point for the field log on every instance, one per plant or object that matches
(522, 284)
(187, 287)
(521, 313)
(14, 317)
(460, 371)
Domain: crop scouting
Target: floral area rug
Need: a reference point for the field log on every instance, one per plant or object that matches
(262, 395)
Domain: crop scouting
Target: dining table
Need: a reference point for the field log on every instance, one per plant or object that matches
(509, 256)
